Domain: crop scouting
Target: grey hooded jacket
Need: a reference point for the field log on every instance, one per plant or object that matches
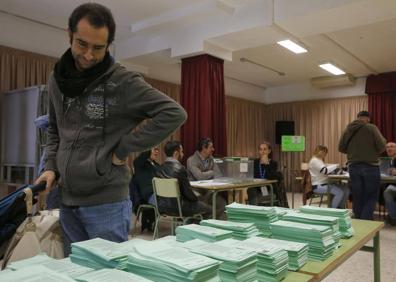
(85, 131)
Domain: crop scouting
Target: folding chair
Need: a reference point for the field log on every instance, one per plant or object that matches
(169, 188)
(316, 195)
(308, 193)
(141, 208)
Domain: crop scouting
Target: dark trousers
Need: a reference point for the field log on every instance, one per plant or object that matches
(365, 182)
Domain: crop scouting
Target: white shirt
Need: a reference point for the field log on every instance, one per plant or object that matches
(318, 170)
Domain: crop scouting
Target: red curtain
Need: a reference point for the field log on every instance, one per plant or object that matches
(202, 96)
(381, 90)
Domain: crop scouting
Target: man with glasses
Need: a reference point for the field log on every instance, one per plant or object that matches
(390, 192)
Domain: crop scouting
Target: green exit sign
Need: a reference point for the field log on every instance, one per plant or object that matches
(293, 143)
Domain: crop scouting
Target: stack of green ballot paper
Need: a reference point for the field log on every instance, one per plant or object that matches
(33, 274)
(281, 211)
(237, 264)
(99, 253)
(161, 262)
(259, 215)
(241, 231)
(194, 231)
(316, 220)
(297, 252)
(319, 238)
(271, 260)
(344, 217)
(61, 266)
(113, 275)
(169, 240)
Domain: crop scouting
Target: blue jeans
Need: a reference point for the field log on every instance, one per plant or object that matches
(340, 195)
(107, 221)
(390, 200)
(365, 182)
(151, 200)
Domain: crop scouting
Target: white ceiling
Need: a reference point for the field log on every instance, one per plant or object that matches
(153, 35)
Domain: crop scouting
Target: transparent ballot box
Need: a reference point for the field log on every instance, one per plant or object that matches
(385, 165)
(235, 170)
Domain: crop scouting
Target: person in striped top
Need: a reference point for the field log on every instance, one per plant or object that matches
(319, 177)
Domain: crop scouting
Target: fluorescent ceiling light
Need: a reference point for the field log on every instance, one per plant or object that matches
(332, 69)
(295, 48)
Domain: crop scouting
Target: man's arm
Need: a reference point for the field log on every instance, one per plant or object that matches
(185, 187)
(379, 140)
(193, 168)
(162, 114)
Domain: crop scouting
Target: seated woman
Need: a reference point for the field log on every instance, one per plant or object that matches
(141, 186)
(266, 168)
(319, 171)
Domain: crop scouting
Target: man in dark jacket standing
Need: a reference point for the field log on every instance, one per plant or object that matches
(363, 143)
(95, 106)
(172, 168)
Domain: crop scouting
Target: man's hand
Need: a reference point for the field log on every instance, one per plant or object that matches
(49, 177)
(117, 161)
(393, 171)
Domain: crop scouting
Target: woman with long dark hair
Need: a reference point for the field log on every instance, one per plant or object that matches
(267, 168)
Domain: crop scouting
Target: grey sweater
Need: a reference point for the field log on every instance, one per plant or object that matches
(199, 169)
(363, 143)
(107, 118)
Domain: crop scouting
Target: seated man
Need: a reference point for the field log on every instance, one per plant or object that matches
(201, 166)
(172, 168)
(390, 192)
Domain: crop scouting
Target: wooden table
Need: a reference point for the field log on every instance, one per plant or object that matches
(298, 277)
(384, 179)
(365, 230)
(216, 187)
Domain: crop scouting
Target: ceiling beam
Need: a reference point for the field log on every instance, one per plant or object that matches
(203, 7)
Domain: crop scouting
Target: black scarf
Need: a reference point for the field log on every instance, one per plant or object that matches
(71, 81)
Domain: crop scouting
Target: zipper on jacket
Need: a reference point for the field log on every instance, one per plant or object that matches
(70, 155)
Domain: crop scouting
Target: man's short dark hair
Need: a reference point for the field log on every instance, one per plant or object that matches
(97, 15)
(171, 147)
(203, 143)
(363, 114)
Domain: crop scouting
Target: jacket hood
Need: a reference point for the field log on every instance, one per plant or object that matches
(355, 125)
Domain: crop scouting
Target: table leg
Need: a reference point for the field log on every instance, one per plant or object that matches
(377, 266)
(271, 194)
(214, 204)
(292, 190)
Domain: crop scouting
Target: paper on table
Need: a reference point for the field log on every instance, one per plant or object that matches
(174, 255)
(219, 251)
(34, 274)
(111, 275)
(204, 183)
(62, 266)
(38, 259)
(103, 248)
